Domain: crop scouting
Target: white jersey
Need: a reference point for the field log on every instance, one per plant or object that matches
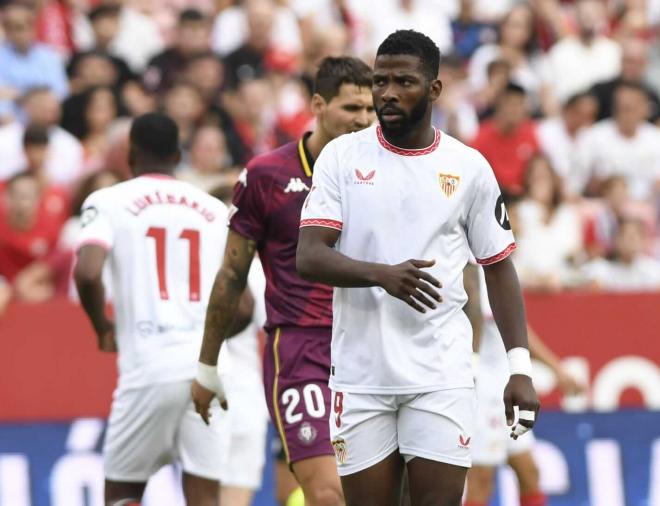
(165, 240)
(391, 205)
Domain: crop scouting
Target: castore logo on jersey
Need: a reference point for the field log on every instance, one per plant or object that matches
(364, 179)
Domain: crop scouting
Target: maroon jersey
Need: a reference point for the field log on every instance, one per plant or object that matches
(266, 208)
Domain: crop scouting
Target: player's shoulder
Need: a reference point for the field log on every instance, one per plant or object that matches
(348, 144)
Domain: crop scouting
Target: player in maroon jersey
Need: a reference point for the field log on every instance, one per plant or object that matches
(265, 217)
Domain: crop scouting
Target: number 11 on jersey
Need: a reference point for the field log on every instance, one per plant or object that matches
(159, 235)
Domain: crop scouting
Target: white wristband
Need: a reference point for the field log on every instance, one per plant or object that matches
(519, 361)
(207, 375)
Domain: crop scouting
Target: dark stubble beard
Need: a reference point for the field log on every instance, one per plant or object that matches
(409, 121)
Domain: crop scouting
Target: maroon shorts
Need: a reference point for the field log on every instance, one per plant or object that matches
(296, 372)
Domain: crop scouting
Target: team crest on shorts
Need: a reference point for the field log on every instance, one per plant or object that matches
(307, 433)
(449, 183)
(341, 451)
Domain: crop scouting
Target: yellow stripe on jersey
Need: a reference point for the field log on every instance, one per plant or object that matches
(303, 158)
(276, 404)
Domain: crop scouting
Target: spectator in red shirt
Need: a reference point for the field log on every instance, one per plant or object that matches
(508, 141)
(28, 230)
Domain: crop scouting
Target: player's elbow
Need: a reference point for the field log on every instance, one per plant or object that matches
(85, 275)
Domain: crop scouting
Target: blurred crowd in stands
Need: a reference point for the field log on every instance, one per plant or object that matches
(561, 97)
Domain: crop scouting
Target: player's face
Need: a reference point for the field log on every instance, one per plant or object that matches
(350, 110)
(402, 95)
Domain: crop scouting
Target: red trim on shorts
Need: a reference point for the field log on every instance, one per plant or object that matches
(94, 242)
(499, 257)
(408, 152)
(321, 222)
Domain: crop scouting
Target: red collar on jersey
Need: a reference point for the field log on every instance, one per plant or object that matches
(408, 152)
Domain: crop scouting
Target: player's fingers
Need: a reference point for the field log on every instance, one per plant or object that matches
(428, 290)
(419, 295)
(410, 300)
(508, 410)
(428, 278)
(203, 410)
(423, 263)
(224, 405)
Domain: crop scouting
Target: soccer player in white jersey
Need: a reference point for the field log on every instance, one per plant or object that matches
(163, 240)
(393, 210)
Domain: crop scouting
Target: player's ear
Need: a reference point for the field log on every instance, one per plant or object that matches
(435, 89)
(318, 104)
(177, 157)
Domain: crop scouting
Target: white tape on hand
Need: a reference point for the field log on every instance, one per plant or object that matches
(207, 376)
(527, 415)
(520, 429)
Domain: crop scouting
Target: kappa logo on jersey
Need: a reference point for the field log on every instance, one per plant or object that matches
(88, 215)
(464, 442)
(296, 185)
(364, 178)
(307, 433)
(341, 450)
(501, 215)
(449, 183)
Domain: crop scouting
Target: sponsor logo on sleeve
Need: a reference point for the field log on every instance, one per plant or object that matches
(88, 215)
(501, 215)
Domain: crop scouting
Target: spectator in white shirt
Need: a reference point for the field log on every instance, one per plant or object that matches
(576, 63)
(625, 145)
(65, 154)
(558, 135)
(549, 232)
(629, 269)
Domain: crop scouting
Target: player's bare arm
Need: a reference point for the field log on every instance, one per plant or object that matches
(508, 310)
(229, 310)
(87, 275)
(317, 260)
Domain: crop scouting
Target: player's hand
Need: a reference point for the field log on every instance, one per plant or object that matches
(408, 282)
(106, 337)
(204, 388)
(520, 392)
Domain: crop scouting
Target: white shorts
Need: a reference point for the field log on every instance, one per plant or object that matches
(153, 426)
(248, 427)
(366, 428)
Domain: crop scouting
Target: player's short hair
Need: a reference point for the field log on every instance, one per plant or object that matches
(35, 135)
(333, 72)
(413, 43)
(191, 15)
(155, 134)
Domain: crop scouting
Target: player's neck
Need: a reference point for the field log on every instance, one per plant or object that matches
(419, 137)
(152, 169)
(316, 142)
